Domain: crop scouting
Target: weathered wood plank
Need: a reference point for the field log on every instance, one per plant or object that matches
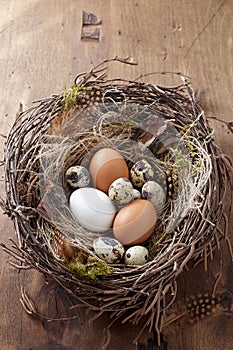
(41, 52)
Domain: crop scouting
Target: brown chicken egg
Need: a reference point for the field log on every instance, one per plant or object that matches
(135, 222)
(106, 166)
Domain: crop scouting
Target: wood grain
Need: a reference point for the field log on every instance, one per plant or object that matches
(41, 52)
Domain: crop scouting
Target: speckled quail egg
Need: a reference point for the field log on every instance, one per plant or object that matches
(77, 176)
(108, 249)
(141, 172)
(136, 255)
(121, 191)
(153, 192)
(136, 194)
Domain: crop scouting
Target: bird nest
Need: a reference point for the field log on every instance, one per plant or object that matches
(162, 125)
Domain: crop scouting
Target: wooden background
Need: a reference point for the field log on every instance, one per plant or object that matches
(41, 52)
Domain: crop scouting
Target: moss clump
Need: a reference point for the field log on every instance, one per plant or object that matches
(179, 159)
(92, 269)
(196, 167)
(70, 98)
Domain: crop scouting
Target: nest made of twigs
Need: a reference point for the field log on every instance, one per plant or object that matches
(48, 138)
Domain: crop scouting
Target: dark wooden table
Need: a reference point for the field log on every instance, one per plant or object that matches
(43, 46)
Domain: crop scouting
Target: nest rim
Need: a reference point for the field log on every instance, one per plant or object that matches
(142, 290)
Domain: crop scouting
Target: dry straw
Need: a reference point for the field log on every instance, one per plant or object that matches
(170, 129)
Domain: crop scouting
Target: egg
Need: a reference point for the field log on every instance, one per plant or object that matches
(136, 255)
(141, 172)
(92, 209)
(136, 194)
(135, 222)
(153, 192)
(77, 176)
(106, 166)
(121, 191)
(108, 249)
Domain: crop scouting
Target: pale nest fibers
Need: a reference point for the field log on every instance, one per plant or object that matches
(163, 125)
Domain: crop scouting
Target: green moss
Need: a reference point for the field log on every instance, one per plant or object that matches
(187, 129)
(71, 95)
(92, 269)
(78, 267)
(125, 126)
(179, 159)
(191, 150)
(193, 154)
(196, 168)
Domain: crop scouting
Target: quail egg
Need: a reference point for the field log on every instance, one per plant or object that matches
(108, 249)
(153, 192)
(141, 172)
(77, 176)
(136, 255)
(136, 194)
(121, 191)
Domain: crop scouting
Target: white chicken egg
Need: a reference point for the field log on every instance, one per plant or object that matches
(77, 176)
(154, 193)
(136, 255)
(92, 209)
(121, 191)
(141, 172)
(108, 249)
